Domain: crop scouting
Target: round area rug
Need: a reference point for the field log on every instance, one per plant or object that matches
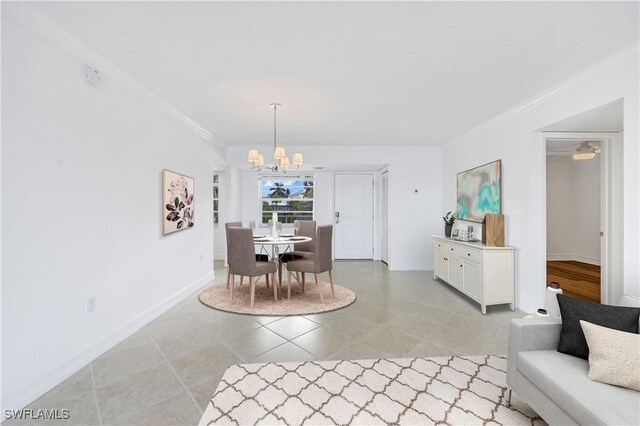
(300, 304)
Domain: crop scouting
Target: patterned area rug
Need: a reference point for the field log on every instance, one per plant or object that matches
(300, 304)
(410, 391)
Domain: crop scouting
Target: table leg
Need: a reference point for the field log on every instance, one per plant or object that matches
(275, 256)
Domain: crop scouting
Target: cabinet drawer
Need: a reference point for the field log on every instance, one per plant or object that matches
(469, 254)
(444, 247)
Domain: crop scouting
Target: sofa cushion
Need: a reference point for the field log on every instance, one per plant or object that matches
(572, 310)
(563, 378)
(614, 356)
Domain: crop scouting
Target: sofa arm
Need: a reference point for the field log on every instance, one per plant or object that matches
(530, 334)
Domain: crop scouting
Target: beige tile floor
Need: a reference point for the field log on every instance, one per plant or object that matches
(166, 372)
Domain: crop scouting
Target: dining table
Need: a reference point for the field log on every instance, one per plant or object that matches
(276, 242)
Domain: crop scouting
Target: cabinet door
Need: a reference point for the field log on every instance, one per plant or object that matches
(472, 279)
(442, 265)
(455, 271)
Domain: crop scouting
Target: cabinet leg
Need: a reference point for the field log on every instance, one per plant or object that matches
(512, 306)
(484, 309)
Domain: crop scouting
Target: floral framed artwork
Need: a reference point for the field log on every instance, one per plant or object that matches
(177, 202)
(480, 191)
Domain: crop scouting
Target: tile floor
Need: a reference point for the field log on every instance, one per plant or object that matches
(165, 373)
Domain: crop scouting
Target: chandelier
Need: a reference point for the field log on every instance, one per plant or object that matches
(281, 161)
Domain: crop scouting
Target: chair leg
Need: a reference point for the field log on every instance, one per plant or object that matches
(275, 287)
(333, 293)
(267, 278)
(280, 265)
(303, 281)
(319, 287)
(252, 284)
(232, 286)
(288, 285)
(241, 279)
(228, 275)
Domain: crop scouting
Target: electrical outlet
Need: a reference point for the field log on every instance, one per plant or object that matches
(90, 304)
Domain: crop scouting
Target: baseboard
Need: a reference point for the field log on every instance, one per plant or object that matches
(574, 257)
(38, 387)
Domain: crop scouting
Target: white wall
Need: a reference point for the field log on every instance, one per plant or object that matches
(413, 216)
(573, 210)
(513, 138)
(81, 197)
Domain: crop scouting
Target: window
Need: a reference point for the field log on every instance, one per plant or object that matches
(291, 197)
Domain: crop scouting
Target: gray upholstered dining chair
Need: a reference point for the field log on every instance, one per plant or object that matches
(259, 257)
(307, 248)
(302, 250)
(242, 260)
(226, 229)
(321, 261)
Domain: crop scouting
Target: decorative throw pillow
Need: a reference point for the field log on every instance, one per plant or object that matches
(572, 341)
(614, 356)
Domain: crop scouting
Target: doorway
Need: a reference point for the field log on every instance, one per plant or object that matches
(219, 237)
(353, 216)
(579, 211)
(574, 223)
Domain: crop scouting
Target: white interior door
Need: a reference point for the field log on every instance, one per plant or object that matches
(384, 220)
(353, 216)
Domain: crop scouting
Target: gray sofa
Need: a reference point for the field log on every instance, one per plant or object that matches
(556, 385)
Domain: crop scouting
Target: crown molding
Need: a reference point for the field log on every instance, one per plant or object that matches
(618, 61)
(33, 20)
(355, 149)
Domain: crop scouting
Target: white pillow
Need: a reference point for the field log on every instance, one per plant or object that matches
(614, 356)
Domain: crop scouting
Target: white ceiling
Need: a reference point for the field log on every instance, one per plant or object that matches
(348, 73)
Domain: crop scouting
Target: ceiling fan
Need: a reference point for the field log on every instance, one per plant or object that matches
(586, 151)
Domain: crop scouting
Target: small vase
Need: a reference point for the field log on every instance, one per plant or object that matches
(447, 230)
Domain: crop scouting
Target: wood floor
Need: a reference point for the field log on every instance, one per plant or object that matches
(576, 279)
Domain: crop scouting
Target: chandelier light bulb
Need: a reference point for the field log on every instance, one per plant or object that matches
(254, 155)
(279, 153)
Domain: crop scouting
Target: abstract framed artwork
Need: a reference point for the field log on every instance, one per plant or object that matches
(480, 191)
(177, 202)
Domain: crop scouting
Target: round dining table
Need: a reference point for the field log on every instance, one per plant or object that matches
(276, 242)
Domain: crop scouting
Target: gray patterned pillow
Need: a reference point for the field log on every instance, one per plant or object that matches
(614, 356)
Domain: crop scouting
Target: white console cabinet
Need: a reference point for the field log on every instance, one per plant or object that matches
(485, 274)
